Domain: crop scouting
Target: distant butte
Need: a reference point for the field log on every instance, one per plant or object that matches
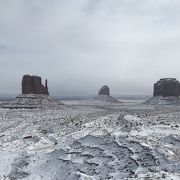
(166, 92)
(33, 85)
(104, 95)
(167, 87)
(104, 91)
(34, 95)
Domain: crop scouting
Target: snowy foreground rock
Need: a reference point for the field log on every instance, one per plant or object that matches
(90, 142)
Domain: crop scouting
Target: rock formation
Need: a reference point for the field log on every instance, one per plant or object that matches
(33, 85)
(34, 95)
(104, 91)
(104, 95)
(167, 87)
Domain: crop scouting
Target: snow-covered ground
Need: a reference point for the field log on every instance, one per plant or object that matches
(88, 141)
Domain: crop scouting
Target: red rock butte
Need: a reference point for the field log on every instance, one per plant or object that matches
(33, 85)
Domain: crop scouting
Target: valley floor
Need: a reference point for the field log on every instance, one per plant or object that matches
(87, 142)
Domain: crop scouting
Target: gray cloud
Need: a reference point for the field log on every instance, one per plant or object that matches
(80, 45)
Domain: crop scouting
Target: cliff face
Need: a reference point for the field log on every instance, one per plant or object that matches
(33, 85)
(167, 87)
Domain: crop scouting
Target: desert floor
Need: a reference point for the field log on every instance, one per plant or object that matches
(88, 140)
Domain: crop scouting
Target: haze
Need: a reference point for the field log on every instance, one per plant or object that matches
(80, 45)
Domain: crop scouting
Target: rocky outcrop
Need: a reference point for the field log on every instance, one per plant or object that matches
(167, 87)
(104, 91)
(34, 95)
(104, 95)
(166, 93)
(33, 85)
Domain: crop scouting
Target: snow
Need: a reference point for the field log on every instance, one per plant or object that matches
(32, 101)
(88, 141)
(163, 101)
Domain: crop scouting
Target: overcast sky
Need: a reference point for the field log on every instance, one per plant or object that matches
(80, 45)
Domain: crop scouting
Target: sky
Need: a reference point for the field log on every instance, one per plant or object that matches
(81, 45)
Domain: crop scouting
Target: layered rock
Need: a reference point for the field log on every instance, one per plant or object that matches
(167, 87)
(104, 91)
(33, 85)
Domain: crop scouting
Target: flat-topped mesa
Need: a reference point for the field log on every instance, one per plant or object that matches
(104, 91)
(167, 87)
(33, 85)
